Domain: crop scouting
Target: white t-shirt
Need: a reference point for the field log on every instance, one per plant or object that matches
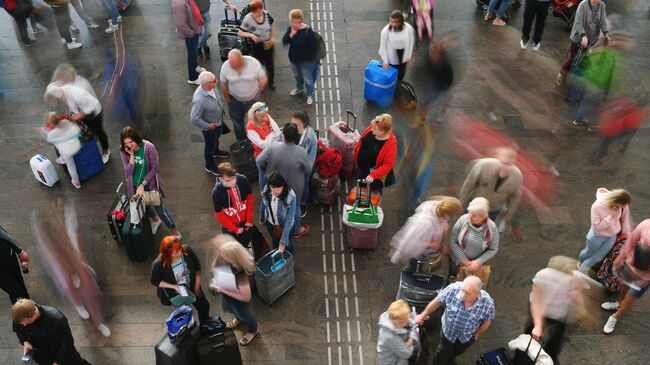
(79, 100)
(179, 272)
(560, 292)
(243, 86)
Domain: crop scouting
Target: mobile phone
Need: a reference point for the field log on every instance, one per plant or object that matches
(28, 356)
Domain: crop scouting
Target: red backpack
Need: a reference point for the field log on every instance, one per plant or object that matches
(329, 161)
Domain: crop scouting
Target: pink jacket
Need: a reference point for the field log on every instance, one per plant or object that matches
(601, 220)
(640, 236)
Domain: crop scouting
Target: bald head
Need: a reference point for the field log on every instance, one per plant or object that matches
(471, 290)
(206, 77)
(235, 59)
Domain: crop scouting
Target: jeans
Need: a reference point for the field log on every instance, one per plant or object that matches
(592, 97)
(534, 9)
(238, 111)
(76, 4)
(276, 241)
(211, 147)
(206, 31)
(596, 249)
(62, 19)
(502, 7)
(192, 46)
(96, 124)
(265, 56)
(111, 7)
(22, 28)
(447, 351)
(304, 74)
(163, 213)
(553, 336)
(241, 311)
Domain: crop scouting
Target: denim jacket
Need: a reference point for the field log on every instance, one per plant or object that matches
(288, 213)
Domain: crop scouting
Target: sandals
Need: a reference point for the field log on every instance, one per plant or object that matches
(248, 338)
(232, 324)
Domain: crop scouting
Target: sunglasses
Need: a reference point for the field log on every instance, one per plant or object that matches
(261, 108)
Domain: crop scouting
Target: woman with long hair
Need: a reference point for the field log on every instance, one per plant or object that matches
(280, 212)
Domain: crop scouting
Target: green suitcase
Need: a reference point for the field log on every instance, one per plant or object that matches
(137, 238)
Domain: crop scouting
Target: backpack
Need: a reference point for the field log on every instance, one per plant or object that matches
(328, 162)
(179, 322)
(321, 51)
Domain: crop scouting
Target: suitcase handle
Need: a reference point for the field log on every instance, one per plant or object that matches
(348, 114)
(277, 265)
(541, 345)
(119, 187)
(225, 11)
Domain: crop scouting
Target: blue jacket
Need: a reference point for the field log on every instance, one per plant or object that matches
(288, 213)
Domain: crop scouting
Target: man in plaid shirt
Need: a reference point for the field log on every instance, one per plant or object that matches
(469, 311)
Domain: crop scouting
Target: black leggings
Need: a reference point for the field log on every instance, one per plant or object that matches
(94, 122)
(265, 56)
(202, 307)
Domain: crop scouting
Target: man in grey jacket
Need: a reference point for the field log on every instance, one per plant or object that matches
(207, 114)
(189, 25)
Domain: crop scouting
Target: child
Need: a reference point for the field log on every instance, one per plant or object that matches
(64, 135)
(424, 16)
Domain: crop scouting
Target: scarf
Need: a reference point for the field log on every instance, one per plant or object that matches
(196, 13)
(463, 232)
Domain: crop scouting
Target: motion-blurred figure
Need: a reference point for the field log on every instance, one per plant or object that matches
(57, 234)
(13, 259)
(424, 16)
(422, 235)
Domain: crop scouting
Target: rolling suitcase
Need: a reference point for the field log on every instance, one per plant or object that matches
(243, 159)
(44, 170)
(182, 353)
(379, 85)
(137, 238)
(219, 348)
(344, 138)
(362, 238)
(494, 357)
(88, 160)
(419, 289)
(253, 240)
(117, 214)
(229, 39)
(274, 275)
(325, 190)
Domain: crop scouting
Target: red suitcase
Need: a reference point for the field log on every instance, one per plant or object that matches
(325, 190)
(362, 238)
(344, 138)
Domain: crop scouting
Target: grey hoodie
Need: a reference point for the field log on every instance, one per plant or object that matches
(582, 20)
(391, 341)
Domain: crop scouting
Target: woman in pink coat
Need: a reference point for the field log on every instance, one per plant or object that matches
(610, 215)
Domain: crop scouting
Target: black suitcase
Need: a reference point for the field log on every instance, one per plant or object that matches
(137, 238)
(419, 289)
(242, 157)
(221, 348)
(182, 353)
(229, 39)
(117, 214)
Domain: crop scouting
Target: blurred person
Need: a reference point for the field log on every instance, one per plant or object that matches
(66, 74)
(13, 260)
(90, 22)
(207, 114)
(261, 129)
(178, 266)
(500, 13)
(589, 22)
(280, 212)
(141, 166)
(474, 239)
(287, 158)
(206, 30)
(258, 25)
(396, 43)
(242, 82)
(556, 295)
(309, 141)
(303, 46)
(610, 216)
(469, 312)
(633, 268)
(498, 180)
(57, 233)
(422, 235)
(236, 5)
(598, 78)
(189, 26)
(45, 330)
(233, 200)
(441, 69)
(237, 302)
(20, 10)
(398, 334)
(110, 7)
(82, 107)
(424, 16)
(376, 153)
(63, 21)
(64, 135)
(534, 10)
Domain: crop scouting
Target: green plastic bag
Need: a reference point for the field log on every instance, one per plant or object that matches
(366, 215)
(600, 68)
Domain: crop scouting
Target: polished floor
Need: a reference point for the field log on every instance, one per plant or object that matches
(330, 316)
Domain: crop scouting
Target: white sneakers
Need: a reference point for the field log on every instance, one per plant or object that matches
(310, 101)
(523, 44)
(74, 45)
(193, 82)
(83, 313)
(536, 46)
(105, 157)
(105, 331)
(610, 325)
(60, 160)
(609, 306)
(92, 25)
(199, 69)
(155, 225)
(112, 28)
(295, 92)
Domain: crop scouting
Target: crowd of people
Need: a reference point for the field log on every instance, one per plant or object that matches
(285, 157)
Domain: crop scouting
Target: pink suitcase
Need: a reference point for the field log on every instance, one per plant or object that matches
(325, 190)
(344, 138)
(362, 238)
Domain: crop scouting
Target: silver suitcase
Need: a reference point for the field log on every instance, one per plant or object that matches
(274, 275)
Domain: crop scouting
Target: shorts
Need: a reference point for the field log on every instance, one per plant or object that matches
(637, 293)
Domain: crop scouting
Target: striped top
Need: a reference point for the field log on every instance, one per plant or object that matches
(472, 246)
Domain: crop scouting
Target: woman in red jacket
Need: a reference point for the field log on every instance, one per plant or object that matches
(376, 153)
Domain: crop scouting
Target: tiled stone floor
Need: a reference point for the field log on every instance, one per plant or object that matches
(329, 317)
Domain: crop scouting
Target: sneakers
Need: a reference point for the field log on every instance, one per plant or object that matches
(105, 331)
(296, 91)
(212, 171)
(594, 128)
(523, 44)
(64, 42)
(60, 160)
(77, 185)
(199, 69)
(610, 325)
(37, 29)
(536, 46)
(112, 28)
(303, 210)
(310, 100)
(155, 225)
(83, 313)
(30, 43)
(92, 25)
(193, 82)
(498, 22)
(222, 154)
(304, 228)
(609, 306)
(119, 18)
(74, 45)
(105, 157)
(580, 123)
(73, 28)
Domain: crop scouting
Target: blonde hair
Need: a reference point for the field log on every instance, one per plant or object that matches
(447, 206)
(384, 122)
(296, 14)
(618, 197)
(252, 112)
(564, 264)
(65, 73)
(226, 169)
(505, 153)
(230, 251)
(52, 118)
(23, 309)
(399, 310)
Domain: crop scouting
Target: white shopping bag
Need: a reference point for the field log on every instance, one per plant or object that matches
(136, 209)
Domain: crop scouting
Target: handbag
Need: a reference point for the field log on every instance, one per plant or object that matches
(136, 209)
(152, 197)
(483, 273)
(224, 128)
(85, 134)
